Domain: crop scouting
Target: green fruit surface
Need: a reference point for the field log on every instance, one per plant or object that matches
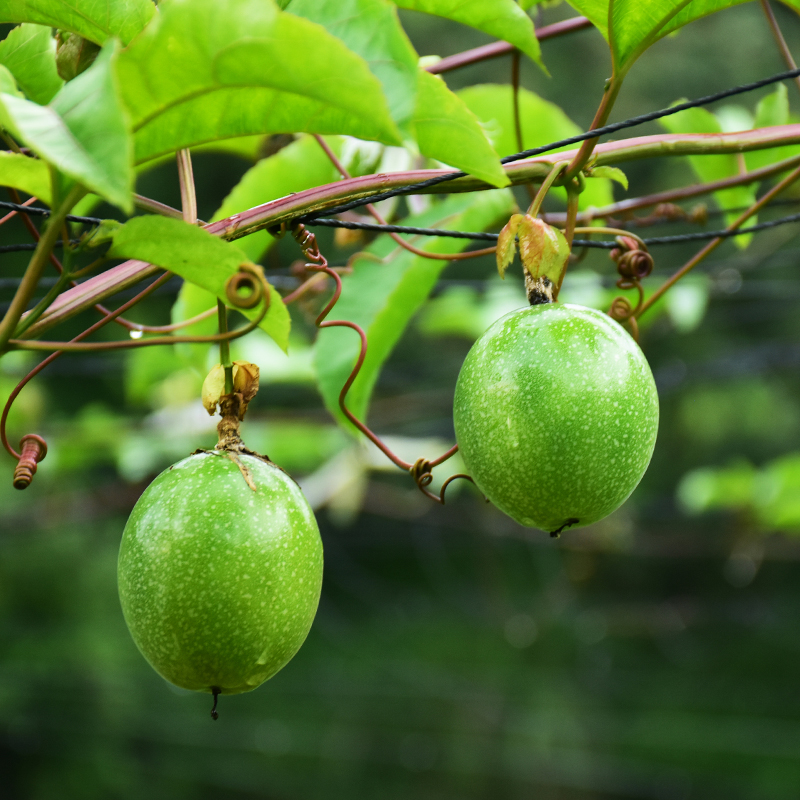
(220, 584)
(556, 415)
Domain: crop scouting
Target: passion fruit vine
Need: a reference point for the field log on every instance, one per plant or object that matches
(220, 568)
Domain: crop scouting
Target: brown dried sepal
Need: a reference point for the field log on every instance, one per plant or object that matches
(245, 386)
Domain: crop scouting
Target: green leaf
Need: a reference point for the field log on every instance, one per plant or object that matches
(771, 110)
(299, 166)
(97, 20)
(631, 26)
(448, 131)
(714, 168)
(503, 19)
(196, 256)
(83, 133)
(382, 297)
(26, 174)
(29, 53)
(246, 68)
(7, 83)
(541, 122)
(372, 29)
(613, 173)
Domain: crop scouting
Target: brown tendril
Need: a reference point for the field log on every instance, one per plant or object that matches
(634, 263)
(420, 470)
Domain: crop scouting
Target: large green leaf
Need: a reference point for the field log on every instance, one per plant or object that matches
(196, 256)
(97, 20)
(503, 19)
(382, 297)
(299, 166)
(83, 133)
(541, 122)
(714, 168)
(246, 68)
(448, 131)
(631, 26)
(30, 175)
(372, 29)
(29, 53)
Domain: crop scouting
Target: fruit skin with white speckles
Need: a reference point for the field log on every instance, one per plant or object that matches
(556, 415)
(219, 584)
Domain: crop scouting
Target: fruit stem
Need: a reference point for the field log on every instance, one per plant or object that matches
(215, 690)
(224, 347)
(558, 167)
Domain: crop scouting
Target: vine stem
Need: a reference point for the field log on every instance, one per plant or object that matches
(284, 210)
(778, 36)
(53, 356)
(684, 193)
(496, 49)
(600, 118)
(378, 217)
(548, 182)
(36, 266)
(715, 243)
(125, 323)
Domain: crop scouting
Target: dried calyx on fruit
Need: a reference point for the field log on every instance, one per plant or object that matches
(220, 566)
(543, 250)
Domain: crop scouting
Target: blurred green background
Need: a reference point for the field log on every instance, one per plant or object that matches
(455, 654)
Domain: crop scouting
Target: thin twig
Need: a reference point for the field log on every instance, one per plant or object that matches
(779, 40)
(714, 243)
(496, 49)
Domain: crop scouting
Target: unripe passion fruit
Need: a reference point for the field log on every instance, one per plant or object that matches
(556, 415)
(219, 583)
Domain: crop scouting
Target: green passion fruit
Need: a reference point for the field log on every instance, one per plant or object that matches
(556, 415)
(220, 570)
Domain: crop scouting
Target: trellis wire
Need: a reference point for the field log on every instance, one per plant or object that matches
(45, 212)
(592, 134)
(606, 245)
(451, 176)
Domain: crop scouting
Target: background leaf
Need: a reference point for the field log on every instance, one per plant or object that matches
(196, 256)
(247, 68)
(27, 174)
(97, 20)
(541, 122)
(503, 19)
(83, 133)
(372, 29)
(715, 168)
(382, 297)
(29, 53)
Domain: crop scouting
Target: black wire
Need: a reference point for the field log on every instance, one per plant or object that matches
(16, 248)
(45, 212)
(592, 134)
(451, 176)
(606, 245)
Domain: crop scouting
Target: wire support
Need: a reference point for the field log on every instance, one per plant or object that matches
(492, 237)
(38, 211)
(536, 151)
(581, 137)
(25, 246)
